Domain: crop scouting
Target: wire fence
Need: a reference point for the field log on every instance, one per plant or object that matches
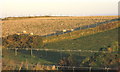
(82, 27)
(57, 50)
(62, 56)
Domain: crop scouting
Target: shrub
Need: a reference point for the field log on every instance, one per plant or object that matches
(22, 41)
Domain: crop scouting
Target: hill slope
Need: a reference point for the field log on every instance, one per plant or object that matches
(91, 42)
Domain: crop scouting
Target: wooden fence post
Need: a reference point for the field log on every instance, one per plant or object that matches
(90, 69)
(31, 52)
(73, 69)
(16, 51)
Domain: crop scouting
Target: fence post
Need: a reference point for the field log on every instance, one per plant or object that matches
(88, 26)
(80, 28)
(46, 52)
(31, 52)
(95, 25)
(90, 69)
(73, 69)
(16, 51)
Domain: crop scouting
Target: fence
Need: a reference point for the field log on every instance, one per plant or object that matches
(81, 51)
(73, 68)
(56, 50)
(83, 27)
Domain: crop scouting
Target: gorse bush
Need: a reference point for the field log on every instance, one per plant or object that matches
(22, 41)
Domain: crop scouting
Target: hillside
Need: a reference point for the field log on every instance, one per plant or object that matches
(91, 42)
(27, 43)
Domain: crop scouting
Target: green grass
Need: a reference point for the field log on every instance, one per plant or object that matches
(91, 42)
(21, 57)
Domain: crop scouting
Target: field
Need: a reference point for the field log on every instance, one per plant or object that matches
(48, 25)
(76, 48)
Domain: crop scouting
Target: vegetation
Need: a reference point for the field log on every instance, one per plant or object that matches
(47, 25)
(22, 41)
(102, 59)
(89, 42)
(73, 58)
(103, 38)
(80, 33)
(68, 61)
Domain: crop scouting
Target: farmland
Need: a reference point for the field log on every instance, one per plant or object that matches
(48, 25)
(99, 38)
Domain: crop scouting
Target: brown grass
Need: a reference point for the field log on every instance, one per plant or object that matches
(48, 25)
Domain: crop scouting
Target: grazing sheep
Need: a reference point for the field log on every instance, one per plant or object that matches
(72, 29)
(24, 32)
(31, 33)
(64, 30)
(62, 24)
(18, 33)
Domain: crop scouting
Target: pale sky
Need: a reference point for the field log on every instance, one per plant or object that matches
(58, 7)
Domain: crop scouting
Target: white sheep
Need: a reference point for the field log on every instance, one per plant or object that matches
(24, 32)
(72, 29)
(31, 33)
(64, 30)
(18, 33)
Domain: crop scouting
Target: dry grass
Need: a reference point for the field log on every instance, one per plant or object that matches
(48, 25)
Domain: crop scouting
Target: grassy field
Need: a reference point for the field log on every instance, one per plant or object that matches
(90, 42)
(103, 36)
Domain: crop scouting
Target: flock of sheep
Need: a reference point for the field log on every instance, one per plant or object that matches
(25, 32)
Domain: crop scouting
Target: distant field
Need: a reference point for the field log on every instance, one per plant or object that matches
(48, 25)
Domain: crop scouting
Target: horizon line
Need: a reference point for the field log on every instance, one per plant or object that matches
(57, 16)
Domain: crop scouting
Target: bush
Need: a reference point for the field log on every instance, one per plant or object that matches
(68, 61)
(22, 41)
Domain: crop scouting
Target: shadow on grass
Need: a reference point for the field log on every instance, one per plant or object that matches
(53, 56)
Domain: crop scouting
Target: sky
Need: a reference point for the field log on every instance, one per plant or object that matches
(14, 8)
